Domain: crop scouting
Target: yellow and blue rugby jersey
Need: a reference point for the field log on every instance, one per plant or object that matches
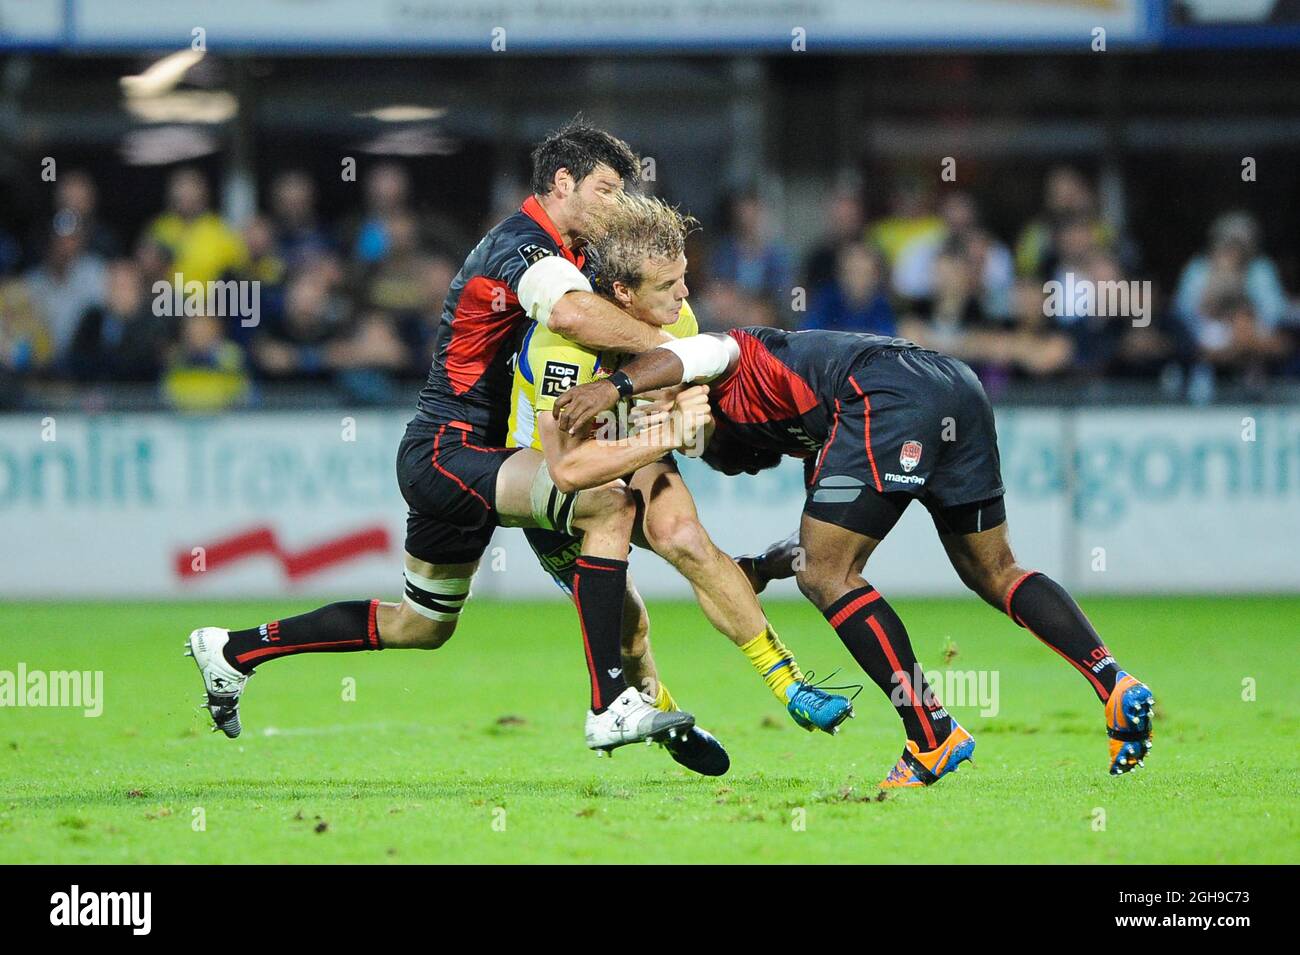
(549, 365)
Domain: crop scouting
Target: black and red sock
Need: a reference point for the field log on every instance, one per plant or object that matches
(598, 587)
(1042, 606)
(876, 637)
(336, 628)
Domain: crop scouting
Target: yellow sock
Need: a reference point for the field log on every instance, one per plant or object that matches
(774, 663)
(664, 701)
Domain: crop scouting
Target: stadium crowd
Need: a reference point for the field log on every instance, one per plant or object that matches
(351, 306)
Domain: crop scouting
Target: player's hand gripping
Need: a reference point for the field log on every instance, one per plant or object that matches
(692, 418)
(578, 407)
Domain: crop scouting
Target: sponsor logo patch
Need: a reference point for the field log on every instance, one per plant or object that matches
(560, 560)
(532, 252)
(558, 377)
(904, 478)
(910, 456)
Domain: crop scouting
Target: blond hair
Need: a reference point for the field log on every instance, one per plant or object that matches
(632, 229)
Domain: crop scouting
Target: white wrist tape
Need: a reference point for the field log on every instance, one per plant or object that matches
(545, 282)
(704, 357)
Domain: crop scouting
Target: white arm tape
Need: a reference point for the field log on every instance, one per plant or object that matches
(545, 282)
(704, 357)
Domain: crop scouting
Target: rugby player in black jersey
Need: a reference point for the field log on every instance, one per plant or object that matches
(878, 422)
(461, 482)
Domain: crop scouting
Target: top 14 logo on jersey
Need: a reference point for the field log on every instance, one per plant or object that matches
(532, 253)
(910, 456)
(558, 377)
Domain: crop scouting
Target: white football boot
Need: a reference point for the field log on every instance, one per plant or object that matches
(630, 719)
(223, 683)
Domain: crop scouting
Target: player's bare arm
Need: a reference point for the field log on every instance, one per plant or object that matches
(595, 323)
(700, 358)
(581, 462)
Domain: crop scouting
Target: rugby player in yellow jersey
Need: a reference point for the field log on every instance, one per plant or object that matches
(651, 289)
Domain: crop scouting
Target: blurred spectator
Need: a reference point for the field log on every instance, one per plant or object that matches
(397, 281)
(750, 260)
(725, 306)
(856, 300)
(265, 267)
(910, 219)
(1233, 265)
(76, 205)
(204, 248)
(844, 223)
(206, 371)
(439, 271)
(952, 320)
(294, 345)
(264, 262)
(1037, 349)
(298, 234)
(387, 192)
(368, 360)
(155, 262)
(1066, 196)
(1075, 246)
(67, 282)
(121, 340)
(314, 340)
(1068, 203)
(25, 343)
(913, 276)
(1096, 333)
(1235, 341)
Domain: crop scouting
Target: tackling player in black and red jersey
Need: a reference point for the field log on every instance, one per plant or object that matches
(879, 422)
(460, 482)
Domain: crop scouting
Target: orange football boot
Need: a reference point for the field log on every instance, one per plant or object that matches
(1128, 723)
(915, 768)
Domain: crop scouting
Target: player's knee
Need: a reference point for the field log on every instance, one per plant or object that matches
(438, 633)
(812, 588)
(614, 499)
(612, 505)
(677, 538)
(821, 581)
(990, 580)
(415, 631)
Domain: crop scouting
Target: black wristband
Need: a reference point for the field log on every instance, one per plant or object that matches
(622, 383)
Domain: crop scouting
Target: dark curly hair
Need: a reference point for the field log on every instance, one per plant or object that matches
(580, 147)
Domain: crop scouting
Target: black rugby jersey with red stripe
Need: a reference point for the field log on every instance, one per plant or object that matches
(781, 395)
(482, 324)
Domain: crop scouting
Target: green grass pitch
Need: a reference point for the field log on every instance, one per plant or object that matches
(474, 753)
